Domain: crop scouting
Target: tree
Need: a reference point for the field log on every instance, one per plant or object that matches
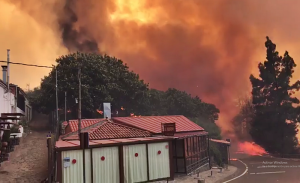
(274, 125)
(242, 122)
(176, 102)
(213, 130)
(107, 79)
(104, 79)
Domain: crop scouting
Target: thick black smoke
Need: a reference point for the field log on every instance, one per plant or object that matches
(75, 39)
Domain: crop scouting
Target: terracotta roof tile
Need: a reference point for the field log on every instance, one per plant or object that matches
(153, 123)
(109, 130)
(84, 123)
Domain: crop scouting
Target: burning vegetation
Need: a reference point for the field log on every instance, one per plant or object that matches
(251, 148)
(180, 45)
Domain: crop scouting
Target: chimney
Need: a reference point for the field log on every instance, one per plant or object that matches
(4, 71)
(107, 110)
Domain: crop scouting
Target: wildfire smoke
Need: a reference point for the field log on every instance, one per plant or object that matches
(182, 44)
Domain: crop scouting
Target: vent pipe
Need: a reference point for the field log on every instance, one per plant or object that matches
(4, 72)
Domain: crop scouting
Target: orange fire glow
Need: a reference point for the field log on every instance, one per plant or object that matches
(100, 112)
(251, 148)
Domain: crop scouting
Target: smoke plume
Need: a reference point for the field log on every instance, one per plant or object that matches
(207, 48)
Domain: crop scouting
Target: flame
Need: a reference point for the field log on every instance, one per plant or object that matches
(251, 148)
(122, 108)
(100, 112)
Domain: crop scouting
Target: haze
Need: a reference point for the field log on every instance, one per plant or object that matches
(207, 48)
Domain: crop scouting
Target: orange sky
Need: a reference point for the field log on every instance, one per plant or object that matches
(208, 48)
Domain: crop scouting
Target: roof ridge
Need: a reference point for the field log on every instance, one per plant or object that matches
(150, 116)
(86, 128)
(129, 127)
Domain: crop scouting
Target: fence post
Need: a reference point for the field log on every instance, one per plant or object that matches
(49, 144)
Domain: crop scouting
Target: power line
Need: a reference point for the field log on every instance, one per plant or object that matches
(31, 65)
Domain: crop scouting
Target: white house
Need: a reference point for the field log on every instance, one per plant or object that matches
(7, 99)
(14, 101)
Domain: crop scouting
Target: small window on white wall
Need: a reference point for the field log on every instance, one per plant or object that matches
(159, 160)
(135, 163)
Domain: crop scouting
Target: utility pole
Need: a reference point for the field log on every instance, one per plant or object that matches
(79, 95)
(56, 130)
(8, 59)
(65, 106)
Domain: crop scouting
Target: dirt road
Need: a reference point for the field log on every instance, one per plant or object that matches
(28, 163)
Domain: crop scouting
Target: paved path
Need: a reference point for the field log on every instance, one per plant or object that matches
(266, 170)
(217, 176)
(28, 163)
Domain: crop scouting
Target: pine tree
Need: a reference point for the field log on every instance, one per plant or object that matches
(274, 125)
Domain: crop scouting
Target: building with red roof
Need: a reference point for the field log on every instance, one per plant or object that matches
(72, 125)
(190, 140)
(183, 144)
(108, 130)
(153, 123)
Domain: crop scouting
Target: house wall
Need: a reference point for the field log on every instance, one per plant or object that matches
(106, 164)
(159, 160)
(73, 172)
(7, 101)
(141, 162)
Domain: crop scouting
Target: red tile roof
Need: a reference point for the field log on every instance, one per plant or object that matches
(75, 143)
(84, 123)
(153, 123)
(109, 130)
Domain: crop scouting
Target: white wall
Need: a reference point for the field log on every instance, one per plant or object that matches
(7, 101)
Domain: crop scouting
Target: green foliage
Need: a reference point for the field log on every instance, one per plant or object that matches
(107, 79)
(213, 130)
(14, 129)
(6, 136)
(242, 122)
(34, 96)
(104, 79)
(175, 102)
(216, 153)
(274, 123)
(24, 124)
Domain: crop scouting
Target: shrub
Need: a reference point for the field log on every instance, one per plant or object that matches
(14, 129)
(213, 130)
(6, 136)
(216, 154)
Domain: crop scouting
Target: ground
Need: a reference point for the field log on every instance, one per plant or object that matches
(28, 163)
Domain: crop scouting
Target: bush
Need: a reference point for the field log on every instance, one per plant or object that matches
(216, 153)
(6, 136)
(213, 130)
(24, 124)
(14, 129)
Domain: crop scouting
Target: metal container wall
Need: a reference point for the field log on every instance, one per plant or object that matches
(106, 165)
(88, 166)
(74, 173)
(135, 163)
(159, 160)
